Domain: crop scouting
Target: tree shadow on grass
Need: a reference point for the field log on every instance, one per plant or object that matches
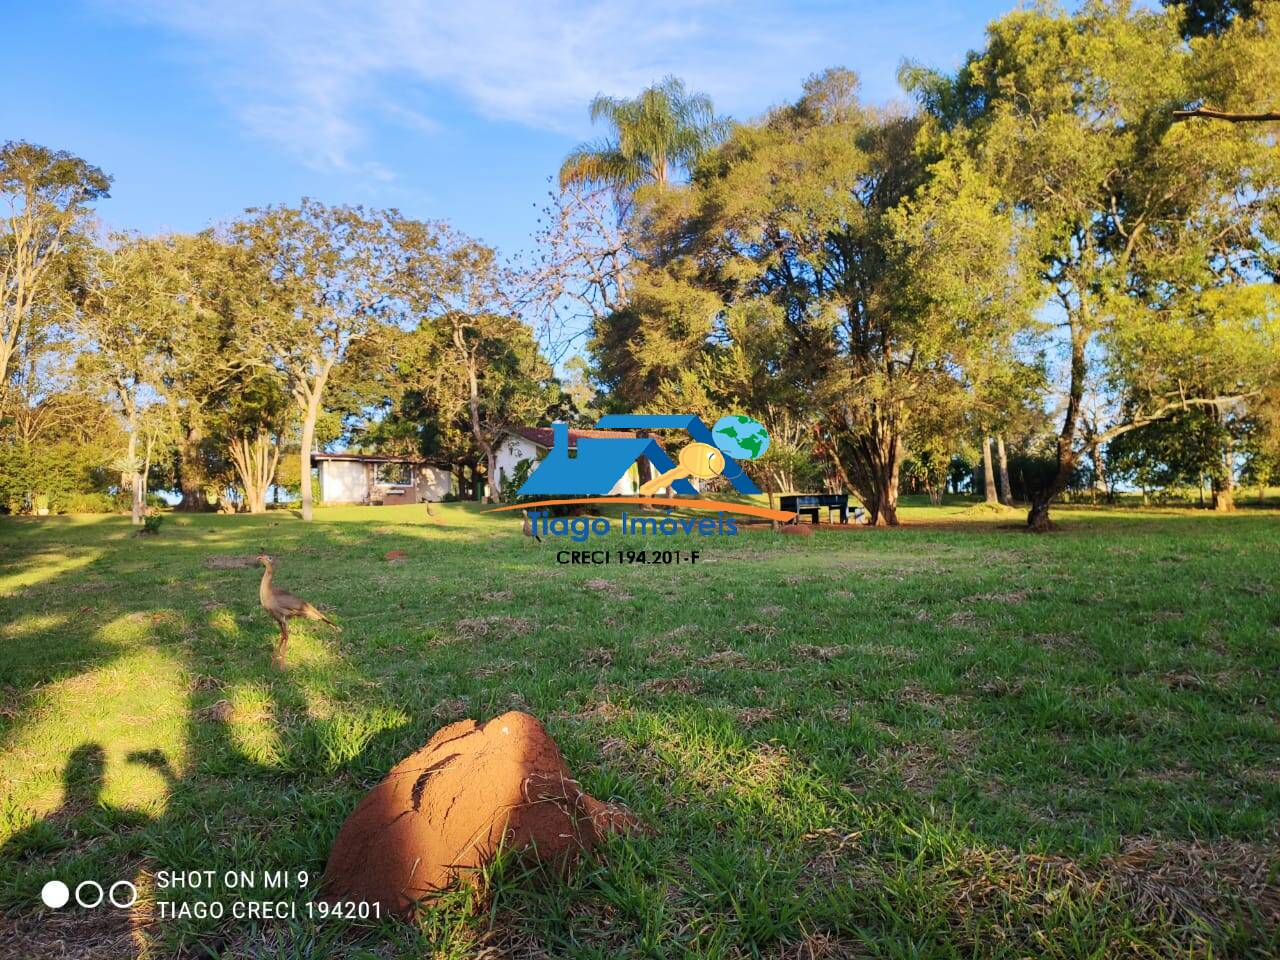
(80, 823)
(225, 808)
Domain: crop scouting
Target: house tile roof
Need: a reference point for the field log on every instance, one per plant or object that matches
(316, 457)
(542, 436)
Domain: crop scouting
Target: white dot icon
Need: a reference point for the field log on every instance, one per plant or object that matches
(55, 894)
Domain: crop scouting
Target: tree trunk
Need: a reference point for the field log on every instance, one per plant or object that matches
(493, 485)
(1006, 491)
(255, 461)
(1100, 472)
(467, 354)
(139, 497)
(1224, 492)
(135, 478)
(988, 475)
(308, 395)
(1038, 520)
(889, 498)
(191, 478)
(308, 438)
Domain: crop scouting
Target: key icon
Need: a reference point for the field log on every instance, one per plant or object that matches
(700, 460)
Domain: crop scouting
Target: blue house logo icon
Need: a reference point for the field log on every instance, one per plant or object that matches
(601, 461)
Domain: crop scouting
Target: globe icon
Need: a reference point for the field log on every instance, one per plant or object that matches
(741, 437)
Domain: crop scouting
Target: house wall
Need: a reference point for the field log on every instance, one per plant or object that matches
(628, 484)
(434, 484)
(510, 451)
(343, 481)
(513, 448)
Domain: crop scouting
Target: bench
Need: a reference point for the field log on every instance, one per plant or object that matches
(812, 503)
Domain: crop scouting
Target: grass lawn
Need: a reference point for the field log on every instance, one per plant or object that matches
(949, 740)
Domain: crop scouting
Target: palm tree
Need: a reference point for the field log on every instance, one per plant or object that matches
(663, 130)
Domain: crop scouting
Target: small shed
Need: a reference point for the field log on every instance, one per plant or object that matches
(367, 479)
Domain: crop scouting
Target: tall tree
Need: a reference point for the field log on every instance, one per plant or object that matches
(125, 320)
(46, 193)
(655, 135)
(876, 279)
(1135, 221)
(327, 269)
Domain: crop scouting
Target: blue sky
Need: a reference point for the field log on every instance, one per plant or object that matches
(449, 110)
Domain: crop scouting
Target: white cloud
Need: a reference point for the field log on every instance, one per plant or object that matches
(315, 76)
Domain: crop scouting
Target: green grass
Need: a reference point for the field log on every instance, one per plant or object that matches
(949, 740)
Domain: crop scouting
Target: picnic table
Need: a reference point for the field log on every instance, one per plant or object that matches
(812, 503)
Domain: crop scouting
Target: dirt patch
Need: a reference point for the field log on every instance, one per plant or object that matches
(754, 715)
(602, 709)
(724, 658)
(889, 652)
(684, 630)
(920, 697)
(75, 933)
(451, 708)
(1183, 886)
(608, 586)
(231, 561)
(668, 653)
(807, 651)
(962, 618)
(1183, 680)
(1015, 596)
(442, 813)
(493, 668)
(670, 685)
(220, 712)
(598, 657)
(1055, 641)
(798, 529)
(395, 556)
(473, 628)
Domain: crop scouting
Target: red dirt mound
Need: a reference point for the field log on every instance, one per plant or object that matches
(798, 529)
(444, 810)
(395, 556)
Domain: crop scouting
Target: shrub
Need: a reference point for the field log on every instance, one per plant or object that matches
(85, 503)
(511, 485)
(56, 471)
(123, 501)
(151, 524)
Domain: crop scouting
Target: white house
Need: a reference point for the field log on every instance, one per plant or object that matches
(359, 478)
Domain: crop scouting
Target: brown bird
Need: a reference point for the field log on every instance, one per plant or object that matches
(527, 527)
(282, 605)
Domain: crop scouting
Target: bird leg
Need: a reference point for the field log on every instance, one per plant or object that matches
(281, 645)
